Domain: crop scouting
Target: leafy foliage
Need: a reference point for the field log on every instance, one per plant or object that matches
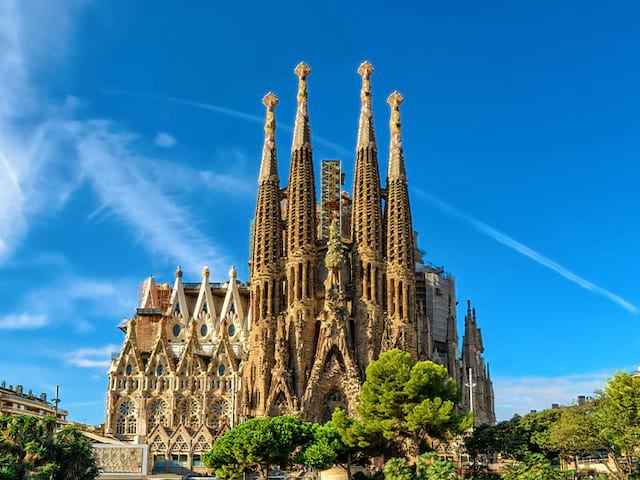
(534, 467)
(617, 421)
(506, 438)
(397, 469)
(31, 448)
(409, 400)
(258, 443)
(326, 448)
(575, 431)
(432, 467)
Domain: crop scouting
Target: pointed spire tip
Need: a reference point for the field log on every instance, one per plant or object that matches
(302, 70)
(365, 69)
(395, 99)
(270, 100)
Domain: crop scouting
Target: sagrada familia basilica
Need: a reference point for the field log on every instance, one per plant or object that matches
(333, 283)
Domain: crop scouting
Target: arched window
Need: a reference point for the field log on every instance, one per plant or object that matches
(188, 413)
(126, 421)
(157, 414)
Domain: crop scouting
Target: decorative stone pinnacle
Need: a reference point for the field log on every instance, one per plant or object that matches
(394, 101)
(301, 132)
(270, 101)
(178, 271)
(233, 274)
(302, 70)
(365, 70)
(205, 272)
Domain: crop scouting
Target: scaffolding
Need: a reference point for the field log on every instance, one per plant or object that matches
(330, 182)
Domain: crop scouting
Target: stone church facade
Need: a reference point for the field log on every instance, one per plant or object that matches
(332, 285)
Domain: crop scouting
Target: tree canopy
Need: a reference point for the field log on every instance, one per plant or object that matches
(33, 448)
(411, 400)
(258, 443)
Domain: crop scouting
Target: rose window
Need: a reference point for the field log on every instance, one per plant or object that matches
(221, 407)
(157, 413)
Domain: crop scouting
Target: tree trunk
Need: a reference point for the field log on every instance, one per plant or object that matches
(349, 466)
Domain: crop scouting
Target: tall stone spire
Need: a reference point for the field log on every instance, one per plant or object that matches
(266, 270)
(301, 240)
(474, 367)
(367, 230)
(400, 330)
(301, 231)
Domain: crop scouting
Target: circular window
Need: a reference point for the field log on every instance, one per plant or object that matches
(127, 408)
(160, 370)
(221, 369)
(176, 330)
(232, 330)
(203, 330)
(129, 369)
(221, 407)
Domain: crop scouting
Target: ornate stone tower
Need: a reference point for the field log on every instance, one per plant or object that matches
(400, 328)
(367, 233)
(296, 345)
(266, 273)
(478, 396)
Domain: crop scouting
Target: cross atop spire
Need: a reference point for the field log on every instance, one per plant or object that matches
(301, 131)
(396, 155)
(269, 164)
(366, 136)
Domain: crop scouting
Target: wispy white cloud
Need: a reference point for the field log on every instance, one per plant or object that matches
(229, 112)
(98, 357)
(528, 252)
(47, 151)
(164, 227)
(164, 140)
(71, 299)
(22, 321)
(522, 394)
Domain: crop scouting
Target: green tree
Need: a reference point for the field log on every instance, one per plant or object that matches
(327, 449)
(74, 455)
(258, 443)
(506, 438)
(537, 428)
(617, 421)
(31, 447)
(411, 401)
(534, 467)
(432, 467)
(397, 469)
(364, 439)
(575, 432)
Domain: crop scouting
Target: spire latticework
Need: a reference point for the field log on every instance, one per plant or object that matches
(401, 280)
(300, 266)
(266, 267)
(367, 229)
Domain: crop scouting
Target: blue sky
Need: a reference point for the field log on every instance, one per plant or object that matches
(130, 139)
